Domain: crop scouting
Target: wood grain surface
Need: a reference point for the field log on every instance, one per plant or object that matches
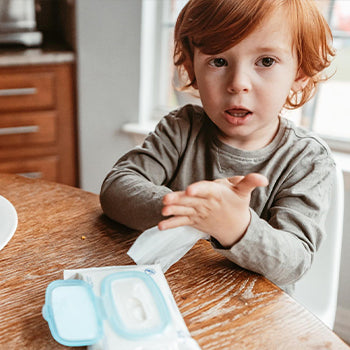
(61, 227)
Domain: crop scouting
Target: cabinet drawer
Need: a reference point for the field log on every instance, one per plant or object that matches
(24, 129)
(27, 90)
(44, 168)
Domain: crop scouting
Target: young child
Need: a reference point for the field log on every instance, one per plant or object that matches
(235, 168)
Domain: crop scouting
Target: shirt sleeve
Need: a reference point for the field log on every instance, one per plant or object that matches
(282, 247)
(132, 192)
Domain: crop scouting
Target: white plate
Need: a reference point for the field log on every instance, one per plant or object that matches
(8, 221)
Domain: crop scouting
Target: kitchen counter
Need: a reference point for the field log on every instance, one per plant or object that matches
(34, 56)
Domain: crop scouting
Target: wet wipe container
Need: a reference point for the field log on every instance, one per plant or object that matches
(130, 302)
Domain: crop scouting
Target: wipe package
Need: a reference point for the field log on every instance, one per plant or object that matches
(122, 307)
(164, 247)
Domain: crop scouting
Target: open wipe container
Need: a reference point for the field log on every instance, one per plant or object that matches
(123, 307)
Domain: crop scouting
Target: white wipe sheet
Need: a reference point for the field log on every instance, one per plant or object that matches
(164, 247)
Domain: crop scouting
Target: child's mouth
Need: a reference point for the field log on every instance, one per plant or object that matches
(238, 113)
(237, 116)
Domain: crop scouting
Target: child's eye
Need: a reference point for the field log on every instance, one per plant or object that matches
(266, 62)
(218, 62)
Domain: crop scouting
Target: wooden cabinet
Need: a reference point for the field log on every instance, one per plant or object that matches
(37, 122)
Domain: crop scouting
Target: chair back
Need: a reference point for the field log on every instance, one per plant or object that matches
(318, 289)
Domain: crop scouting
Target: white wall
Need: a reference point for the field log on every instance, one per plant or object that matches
(108, 48)
(108, 68)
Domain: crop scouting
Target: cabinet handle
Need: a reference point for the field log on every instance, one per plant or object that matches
(19, 130)
(18, 92)
(32, 175)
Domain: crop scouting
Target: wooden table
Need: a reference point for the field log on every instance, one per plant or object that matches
(61, 227)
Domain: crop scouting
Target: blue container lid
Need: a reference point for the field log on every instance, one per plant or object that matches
(130, 300)
(71, 310)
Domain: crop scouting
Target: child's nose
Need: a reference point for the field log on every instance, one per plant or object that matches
(238, 81)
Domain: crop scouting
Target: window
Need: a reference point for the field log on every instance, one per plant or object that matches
(327, 114)
(158, 95)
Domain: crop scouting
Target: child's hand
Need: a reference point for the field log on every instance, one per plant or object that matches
(219, 208)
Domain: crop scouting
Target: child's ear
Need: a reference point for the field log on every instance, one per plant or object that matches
(300, 81)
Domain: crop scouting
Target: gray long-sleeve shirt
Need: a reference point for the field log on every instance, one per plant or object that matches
(288, 215)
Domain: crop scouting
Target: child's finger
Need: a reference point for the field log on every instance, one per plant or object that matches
(178, 210)
(249, 183)
(182, 199)
(173, 197)
(229, 181)
(173, 222)
(234, 180)
(203, 189)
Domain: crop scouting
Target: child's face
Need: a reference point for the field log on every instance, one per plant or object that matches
(244, 88)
